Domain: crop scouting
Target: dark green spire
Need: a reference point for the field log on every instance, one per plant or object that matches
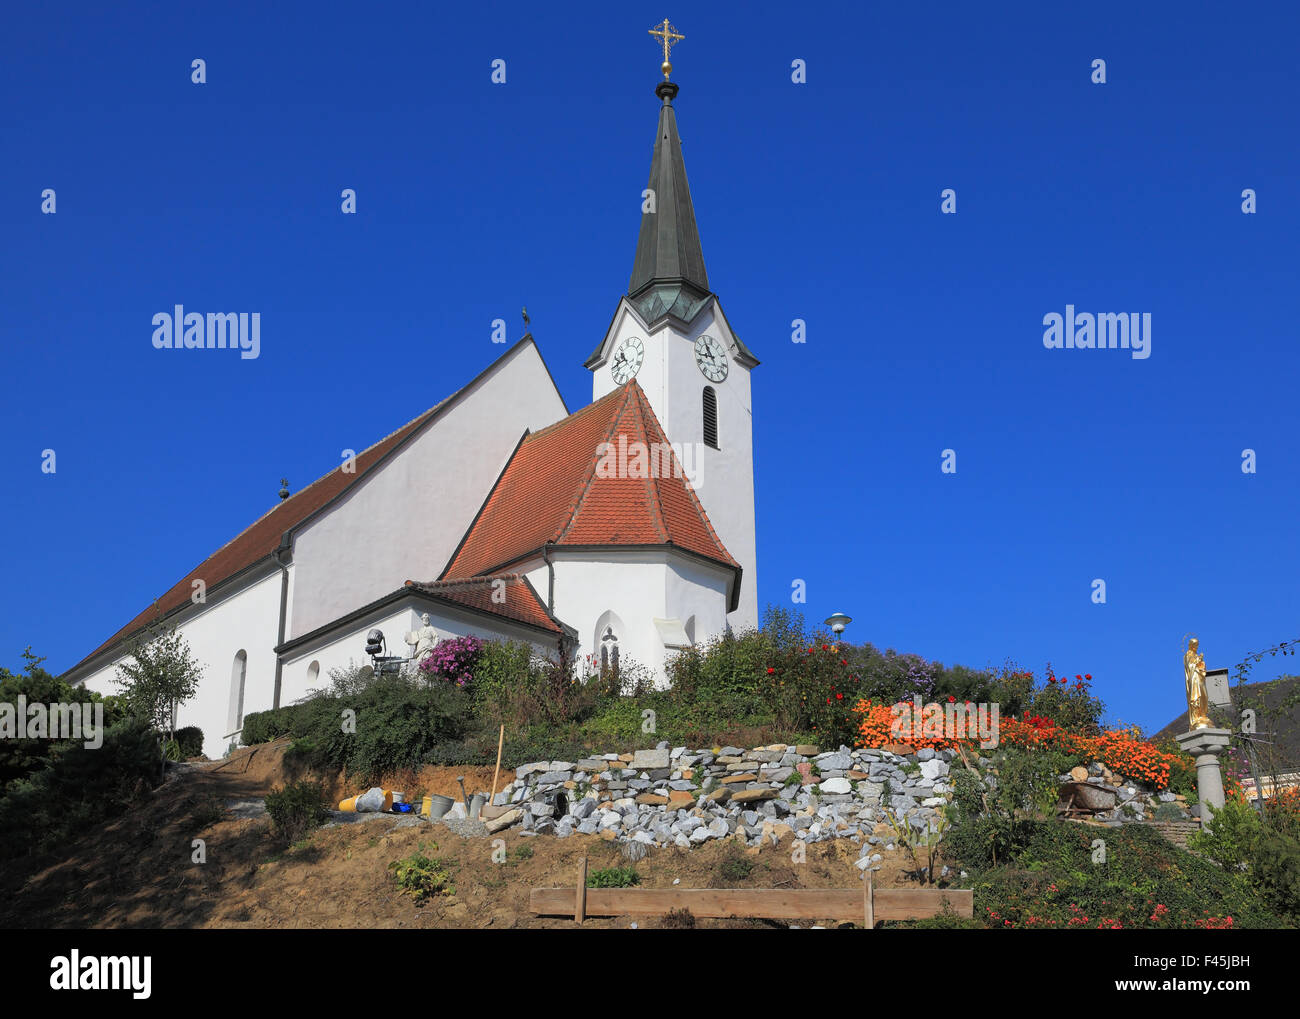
(668, 273)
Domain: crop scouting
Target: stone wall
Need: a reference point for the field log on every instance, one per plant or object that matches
(676, 796)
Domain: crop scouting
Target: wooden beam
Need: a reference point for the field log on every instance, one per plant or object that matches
(769, 903)
(868, 901)
(501, 742)
(580, 902)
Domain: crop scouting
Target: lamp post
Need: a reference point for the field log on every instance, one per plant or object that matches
(837, 622)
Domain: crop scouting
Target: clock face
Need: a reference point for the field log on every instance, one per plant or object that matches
(627, 359)
(711, 358)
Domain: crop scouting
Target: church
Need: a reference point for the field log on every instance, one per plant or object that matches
(623, 530)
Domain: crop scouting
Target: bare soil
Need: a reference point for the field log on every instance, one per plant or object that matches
(138, 870)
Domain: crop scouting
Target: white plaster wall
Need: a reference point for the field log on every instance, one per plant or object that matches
(725, 476)
(693, 589)
(247, 620)
(348, 646)
(585, 589)
(405, 520)
(639, 587)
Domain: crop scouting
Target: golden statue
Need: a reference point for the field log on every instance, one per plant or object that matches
(1197, 696)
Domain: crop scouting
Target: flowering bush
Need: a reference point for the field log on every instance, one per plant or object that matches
(452, 660)
(812, 689)
(1123, 750)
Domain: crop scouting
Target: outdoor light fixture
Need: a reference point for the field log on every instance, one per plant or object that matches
(837, 622)
(375, 648)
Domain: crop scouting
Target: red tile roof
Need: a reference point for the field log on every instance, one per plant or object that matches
(551, 492)
(520, 602)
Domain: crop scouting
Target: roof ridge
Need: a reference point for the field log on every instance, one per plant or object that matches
(690, 491)
(581, 411)
(651, 480)
(584, 489)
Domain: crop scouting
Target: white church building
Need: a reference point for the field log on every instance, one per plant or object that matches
(625, 527)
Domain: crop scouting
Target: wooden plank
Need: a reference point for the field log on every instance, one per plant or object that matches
(501, 742)
(580, 906)
(868, 901)
(770, 903)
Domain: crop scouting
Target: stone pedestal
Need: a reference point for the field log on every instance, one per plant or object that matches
(1207, 745)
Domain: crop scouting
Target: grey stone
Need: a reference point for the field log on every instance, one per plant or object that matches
(658, 758)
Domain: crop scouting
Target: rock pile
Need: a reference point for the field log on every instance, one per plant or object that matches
(682, 797)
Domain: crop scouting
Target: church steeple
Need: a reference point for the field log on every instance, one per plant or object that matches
(668, 272)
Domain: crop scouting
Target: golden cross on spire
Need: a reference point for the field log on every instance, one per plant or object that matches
(670, 38)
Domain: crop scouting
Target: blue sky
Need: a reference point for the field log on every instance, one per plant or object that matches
(818, 201)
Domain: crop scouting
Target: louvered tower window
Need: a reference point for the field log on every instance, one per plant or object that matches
(711, 418)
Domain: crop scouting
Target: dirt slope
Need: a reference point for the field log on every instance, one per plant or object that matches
(137, 871)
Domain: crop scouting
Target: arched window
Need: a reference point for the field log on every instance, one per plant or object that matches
(711, 418)
(313, 675)
(238, 673)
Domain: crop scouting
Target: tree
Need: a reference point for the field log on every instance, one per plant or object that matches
(159, 677)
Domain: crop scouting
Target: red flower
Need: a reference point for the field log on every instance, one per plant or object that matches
(828, 700)
(839, 697)
(1087, 675)
(770, 670)
(951, 699)
(843, 662)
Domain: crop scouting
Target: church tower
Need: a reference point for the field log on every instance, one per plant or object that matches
(670, 334)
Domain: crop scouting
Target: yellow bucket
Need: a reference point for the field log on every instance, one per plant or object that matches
(349, 806)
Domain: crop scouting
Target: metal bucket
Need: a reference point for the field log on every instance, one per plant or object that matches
(436, 806)
(475, 805)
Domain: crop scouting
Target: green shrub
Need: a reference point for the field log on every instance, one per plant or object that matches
(1133, 878)
(1169, 812)
(613, 877)
(264, 726)
(422, 876)
(295, 810)
(190, 740)
(993, 822)
(79, 788)
(401, 722)
(22, 758)
(1275, 868)
(1230, 837)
